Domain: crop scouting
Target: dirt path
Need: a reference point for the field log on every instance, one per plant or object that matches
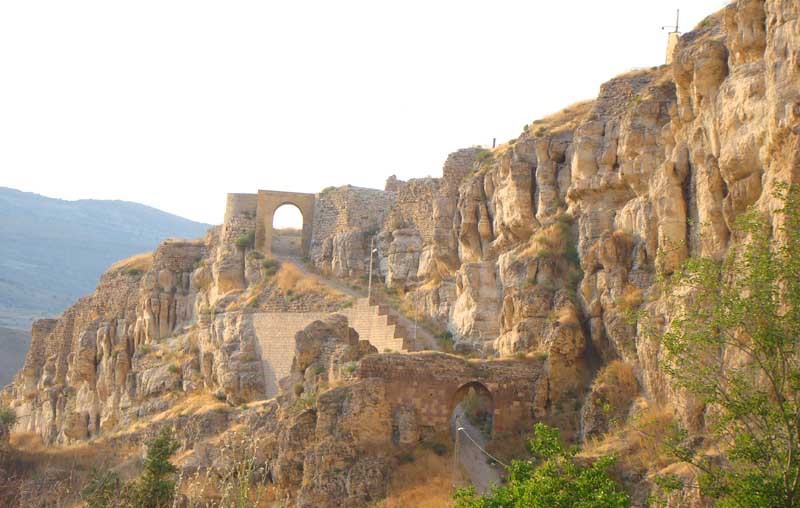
(474, 463)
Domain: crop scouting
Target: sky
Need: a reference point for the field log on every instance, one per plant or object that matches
(176, 103)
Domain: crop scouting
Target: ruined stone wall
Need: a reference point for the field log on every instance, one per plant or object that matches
(345, 218)
(348, 208)
(428, 383)
(240, 216)
(413, 207)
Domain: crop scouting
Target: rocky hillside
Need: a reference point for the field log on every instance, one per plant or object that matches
(534, 256)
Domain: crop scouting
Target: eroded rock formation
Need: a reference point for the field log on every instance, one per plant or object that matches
(534, 255)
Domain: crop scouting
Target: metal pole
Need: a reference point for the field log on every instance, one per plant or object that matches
(369, 284)
(415, 317)
(677, 20)
(455, 455)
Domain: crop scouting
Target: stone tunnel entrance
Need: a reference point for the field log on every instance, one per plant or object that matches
(473, 408)
(268, 202)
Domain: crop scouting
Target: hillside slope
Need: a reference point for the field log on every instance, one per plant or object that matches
(53, 251)
(13, 345)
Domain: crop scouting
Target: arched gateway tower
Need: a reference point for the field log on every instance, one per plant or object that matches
(268, 202)
(263, 206)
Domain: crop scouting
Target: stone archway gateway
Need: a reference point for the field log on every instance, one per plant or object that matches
(474, 402)
(267, 202)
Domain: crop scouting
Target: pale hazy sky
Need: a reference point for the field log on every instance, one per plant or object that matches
(176, 103)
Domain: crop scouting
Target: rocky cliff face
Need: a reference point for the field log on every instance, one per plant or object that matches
(574, 218)
(157, 328)
(542, 248)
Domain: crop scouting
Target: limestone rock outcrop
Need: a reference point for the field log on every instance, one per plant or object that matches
(539, 257)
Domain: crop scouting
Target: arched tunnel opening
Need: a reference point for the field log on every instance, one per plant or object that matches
(473, 409)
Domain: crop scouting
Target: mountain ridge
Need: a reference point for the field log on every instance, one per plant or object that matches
(52, 251)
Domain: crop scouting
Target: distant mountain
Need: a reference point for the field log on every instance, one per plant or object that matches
(53, 251)
(13, 346)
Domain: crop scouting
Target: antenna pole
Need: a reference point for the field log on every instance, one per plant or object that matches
(677, 20)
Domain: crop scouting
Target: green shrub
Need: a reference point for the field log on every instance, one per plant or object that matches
(254, 254)
(553, 479)
(484, 156)
(174, 369)
(445, 340)
(270, 267)
(246, 240)
(132, 272)
(7, 416)
(156, 487)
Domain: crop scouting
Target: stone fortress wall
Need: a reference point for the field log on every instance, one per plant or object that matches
(275, 332)
(403, 218)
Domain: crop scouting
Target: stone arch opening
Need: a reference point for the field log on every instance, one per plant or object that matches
(473, 408)
(268, 204)
(287, 231)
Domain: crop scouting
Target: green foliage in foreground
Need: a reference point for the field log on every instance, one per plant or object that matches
(554, 479)
(736, 349)
(155, 488)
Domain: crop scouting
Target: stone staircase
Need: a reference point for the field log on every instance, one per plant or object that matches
(275, 333)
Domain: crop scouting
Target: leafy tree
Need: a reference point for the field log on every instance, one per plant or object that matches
(156, 488)
(553, 479)
(735, 347)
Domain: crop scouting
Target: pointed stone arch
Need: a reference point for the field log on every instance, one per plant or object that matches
(268, 202)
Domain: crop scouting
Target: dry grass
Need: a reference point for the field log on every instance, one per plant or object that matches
(639, 445)
(45, 476)
(566, 119)
(424, 483)
(197, 403)
(630, 299)
(551, 240)
(291, 279)
(617, 382)
(140, 262)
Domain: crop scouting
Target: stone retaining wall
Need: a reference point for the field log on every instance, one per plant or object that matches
(275, 333)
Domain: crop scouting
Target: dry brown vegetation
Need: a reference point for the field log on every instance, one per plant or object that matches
(630, 299)
(52, 477)
(139, 262)
(550, 240)
(424, 482)
(291, 279)
(616, 382)
(639, 444)
(566, 119)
